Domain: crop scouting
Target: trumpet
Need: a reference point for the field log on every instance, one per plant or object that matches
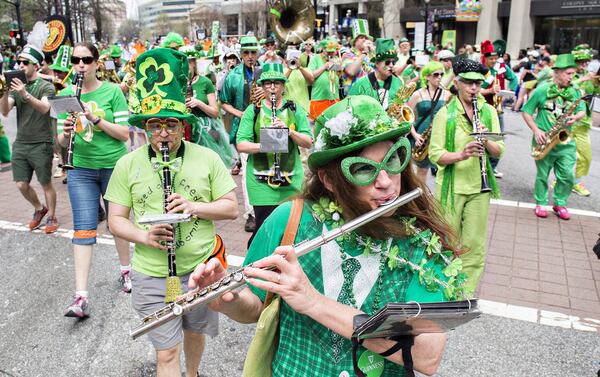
(237, 279)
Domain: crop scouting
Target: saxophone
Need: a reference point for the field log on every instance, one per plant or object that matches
(559, 133)
(420, 153)
(397, 108)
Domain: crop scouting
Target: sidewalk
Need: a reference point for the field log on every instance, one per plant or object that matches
(539, 270)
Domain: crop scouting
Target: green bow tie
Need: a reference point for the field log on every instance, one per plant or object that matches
(173, 165)
(568, 94)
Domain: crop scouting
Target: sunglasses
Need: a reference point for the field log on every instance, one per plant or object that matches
(362, 171)
(437, 74)
(247, 52)
(272, 83)
(84, 59)
(390, 62)
(156, 125)
(24, 62)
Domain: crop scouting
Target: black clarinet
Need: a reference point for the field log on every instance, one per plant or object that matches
(485, 185)
(173, 284)
(68, 165)
(276, 179)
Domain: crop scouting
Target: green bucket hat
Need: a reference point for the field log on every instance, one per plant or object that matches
(350, 125)
(62, 62)
(564, 61)
(384, 49)
(249, 43)
(360, 27)
(582, 52)
(161, 83)
(172, 40)
(271, 72)
(116, 51)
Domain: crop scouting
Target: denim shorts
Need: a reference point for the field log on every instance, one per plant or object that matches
(86, 187)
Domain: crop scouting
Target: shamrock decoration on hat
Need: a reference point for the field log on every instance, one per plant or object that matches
(468, 69)
(384, 49)
(62, 62)
(360, 27)
(161, 80)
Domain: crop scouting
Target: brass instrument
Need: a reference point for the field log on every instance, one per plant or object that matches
(397, 108)
(237, 279)
(107, 74)
(3, 87)
(419, 153)
(255, 97)
(292, 21)
(559, 133)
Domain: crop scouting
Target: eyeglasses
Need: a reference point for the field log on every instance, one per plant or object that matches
(272, 83)
(156, 125)
(390, 62)
(24, 62)
(251, 52)
(362, 171)
(437, 74)
(84, 59)
(471, 82)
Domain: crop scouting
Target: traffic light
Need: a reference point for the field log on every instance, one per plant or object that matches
(12, 33)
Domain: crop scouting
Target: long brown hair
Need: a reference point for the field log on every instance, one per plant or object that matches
(425, 208)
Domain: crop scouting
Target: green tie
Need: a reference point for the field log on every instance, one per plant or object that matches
(350, 267)
(173, 165)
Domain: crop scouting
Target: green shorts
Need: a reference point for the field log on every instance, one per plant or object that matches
(27, 158)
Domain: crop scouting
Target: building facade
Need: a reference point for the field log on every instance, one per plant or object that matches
(149, 12)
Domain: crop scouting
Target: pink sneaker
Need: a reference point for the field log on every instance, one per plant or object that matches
(561, 212)
(541, 212)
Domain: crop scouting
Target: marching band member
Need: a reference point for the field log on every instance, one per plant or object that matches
(99, 141)
(325, 68)
(360, 162)
(380, 84)
(551, 101)
(460, 179)
(268, 182)
(356, 63)
(200, 184)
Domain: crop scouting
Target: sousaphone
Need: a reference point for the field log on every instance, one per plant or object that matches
(292, 21)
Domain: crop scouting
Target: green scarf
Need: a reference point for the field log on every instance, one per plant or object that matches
(448, 180)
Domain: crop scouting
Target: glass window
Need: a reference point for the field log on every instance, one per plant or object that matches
(564, 33)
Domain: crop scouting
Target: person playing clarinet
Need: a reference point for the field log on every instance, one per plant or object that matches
(170, 175)
(465, 182)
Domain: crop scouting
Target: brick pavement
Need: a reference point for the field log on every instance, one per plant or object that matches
(545, 264)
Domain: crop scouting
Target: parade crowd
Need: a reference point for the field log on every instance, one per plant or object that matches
(321, 132)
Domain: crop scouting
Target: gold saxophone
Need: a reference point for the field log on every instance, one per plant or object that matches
(397, 108)
(255, 97)
(420, 153)
(559, 133)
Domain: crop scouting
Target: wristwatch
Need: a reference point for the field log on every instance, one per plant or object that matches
(96, 121)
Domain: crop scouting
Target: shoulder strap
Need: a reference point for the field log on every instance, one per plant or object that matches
(434, 102)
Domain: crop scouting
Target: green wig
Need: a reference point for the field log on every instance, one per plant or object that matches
(428, 69)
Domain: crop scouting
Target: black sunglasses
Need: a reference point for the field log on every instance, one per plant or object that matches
(24, 62)
(390, 62)
(84, 59)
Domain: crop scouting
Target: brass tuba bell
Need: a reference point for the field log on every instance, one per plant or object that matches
(292, 21)
(3, 87)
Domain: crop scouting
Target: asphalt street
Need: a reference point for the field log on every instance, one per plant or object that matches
(36, 340)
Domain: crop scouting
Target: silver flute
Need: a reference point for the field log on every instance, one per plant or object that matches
(238, 278)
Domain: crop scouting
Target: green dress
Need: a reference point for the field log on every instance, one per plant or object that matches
(306, 348)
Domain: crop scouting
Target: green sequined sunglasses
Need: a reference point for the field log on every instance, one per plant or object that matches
(362, 171)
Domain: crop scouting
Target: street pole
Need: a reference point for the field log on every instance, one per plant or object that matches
(19, 25)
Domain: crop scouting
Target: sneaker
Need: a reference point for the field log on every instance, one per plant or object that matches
(125, 282)
(65, 181)
(58, 173)
(561, 212)
(250, 224)
(51, 225)
(580, 189)
(541, 212)
(498, 174)
(38, 216)
(79, 308)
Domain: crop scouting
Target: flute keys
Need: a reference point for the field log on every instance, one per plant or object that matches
(177, 310)
(238, 276)
(226, 280)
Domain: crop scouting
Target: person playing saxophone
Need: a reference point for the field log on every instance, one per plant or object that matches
(551, 101)
(200, 185)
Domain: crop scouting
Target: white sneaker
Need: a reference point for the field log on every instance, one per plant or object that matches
(58, 173)
(498, 174)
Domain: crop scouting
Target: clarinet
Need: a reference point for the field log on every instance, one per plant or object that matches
(68, 165)
(173, 284)
(277, 179)
(238, 278)
(485, 186)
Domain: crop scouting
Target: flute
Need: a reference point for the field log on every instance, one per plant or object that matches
(173, 284)
(68, 165)
(485, 185)
(238, 278)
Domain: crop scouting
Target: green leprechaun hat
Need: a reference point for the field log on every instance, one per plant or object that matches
(350, 125)
(62, 62)
(384, 49)
(271, 72)
(172, 40)
(161, 82)
(582, 52)
(116, 51)
(360, 27)
(564, 61)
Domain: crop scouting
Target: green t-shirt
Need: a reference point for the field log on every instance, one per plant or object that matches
(32, 126)
(327, 85)
(203, 178)
(260, 164)
(202, 88)
(296, 89)
(95, 149)
(305, 346)
(363, 86)
(467, 173)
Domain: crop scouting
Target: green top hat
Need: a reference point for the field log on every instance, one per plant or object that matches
(116, 51)
(271, 72)
(500, 46)
(330, 45)
(564, 61)
(212, 52)
(360, 27)
(384, 49)
(351, 125)
(63, 59)
(582, 52)
(172, 40)
(161, 81)
(249, 43)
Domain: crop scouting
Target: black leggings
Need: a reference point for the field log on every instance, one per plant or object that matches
(260, 215)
